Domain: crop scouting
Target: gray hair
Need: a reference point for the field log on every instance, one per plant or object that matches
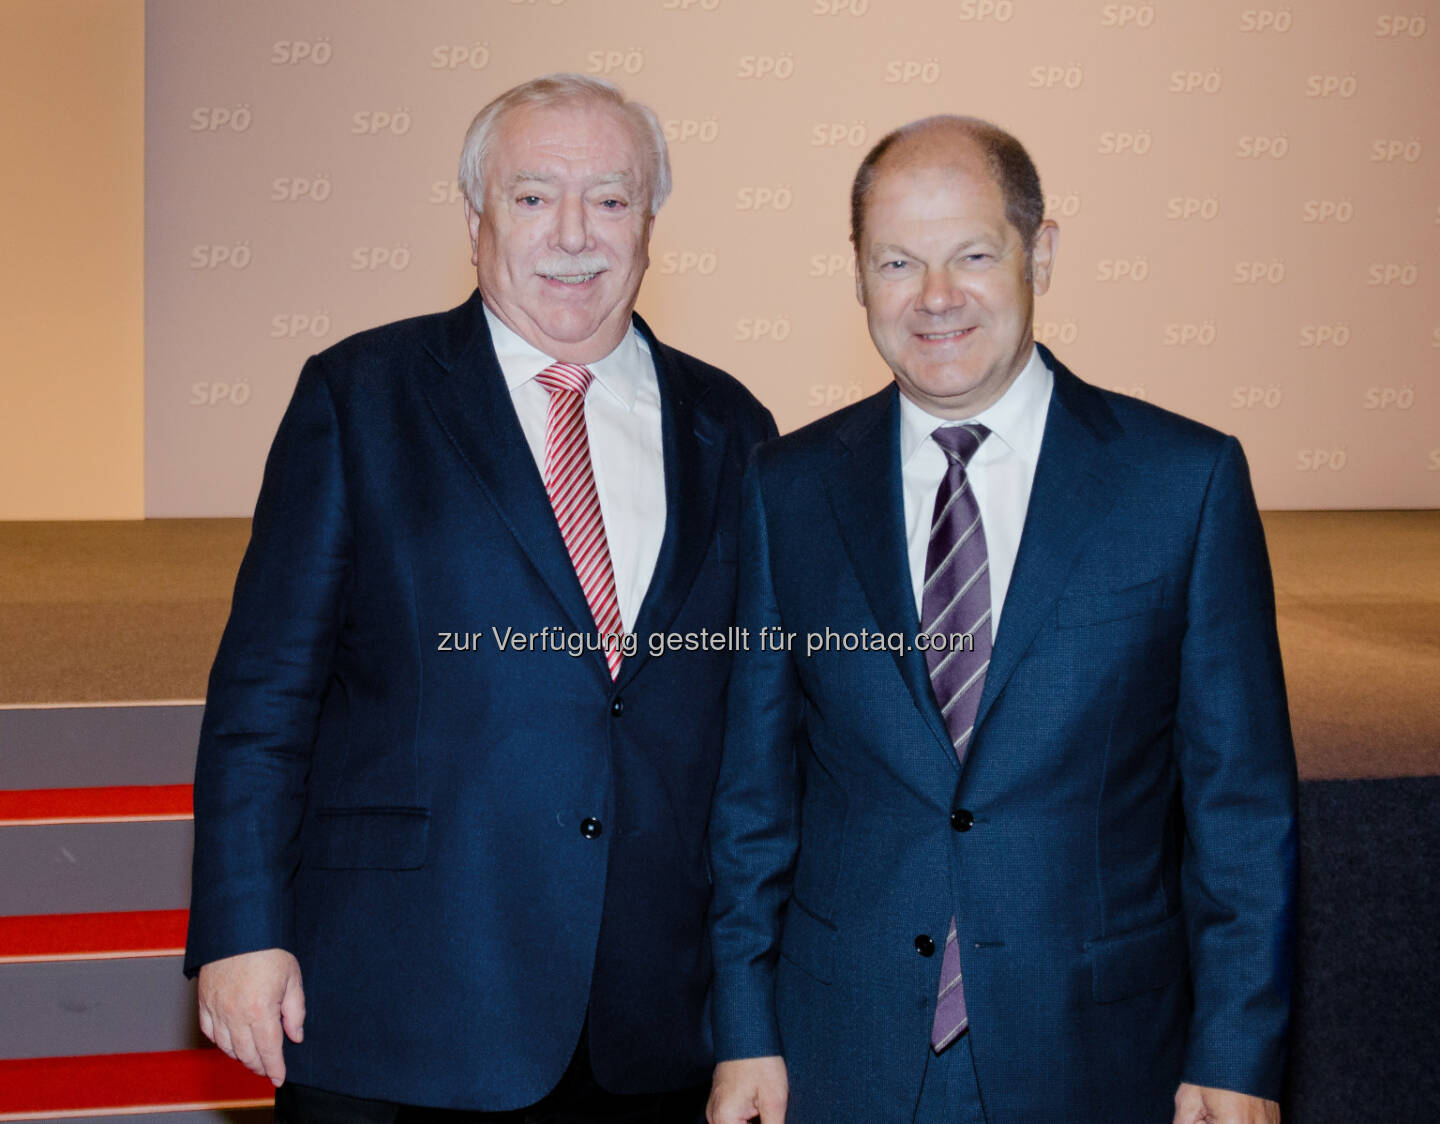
(563, 89)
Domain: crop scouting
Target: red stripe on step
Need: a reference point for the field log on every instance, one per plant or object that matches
(120, 802)
(111, 1081)
(73, 936)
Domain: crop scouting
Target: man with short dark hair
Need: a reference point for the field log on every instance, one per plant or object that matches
(449, 807)
(1005, 825)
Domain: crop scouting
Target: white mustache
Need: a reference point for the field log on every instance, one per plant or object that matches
(568, 265)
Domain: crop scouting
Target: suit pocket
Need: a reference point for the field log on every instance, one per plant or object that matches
(1138, 961)
(368, 838)
(1095, 608)
(808, 942)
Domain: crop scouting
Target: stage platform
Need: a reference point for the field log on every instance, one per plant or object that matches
(107, 612)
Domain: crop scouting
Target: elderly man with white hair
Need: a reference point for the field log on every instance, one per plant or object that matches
(450, 806)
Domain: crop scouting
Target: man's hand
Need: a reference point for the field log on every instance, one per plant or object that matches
(1199, 1104)
(246, 1000)
(748, 1088)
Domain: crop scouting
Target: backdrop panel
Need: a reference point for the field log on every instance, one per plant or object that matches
(1247, 198)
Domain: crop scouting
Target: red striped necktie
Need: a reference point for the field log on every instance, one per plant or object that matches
(570, 483)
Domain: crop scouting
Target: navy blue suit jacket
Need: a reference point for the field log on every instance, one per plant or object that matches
(405, 817)
(1123, 865)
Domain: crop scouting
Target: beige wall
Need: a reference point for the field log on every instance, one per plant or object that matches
(71, 239)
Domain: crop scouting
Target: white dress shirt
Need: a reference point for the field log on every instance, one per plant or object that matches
(1001, 473)
(622, 423)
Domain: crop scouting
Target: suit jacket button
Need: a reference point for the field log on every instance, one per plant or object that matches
(924, 945)
(961, 819)
(591, 828)
(617, 708)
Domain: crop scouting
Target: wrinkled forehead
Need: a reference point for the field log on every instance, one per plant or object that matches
(582, 131)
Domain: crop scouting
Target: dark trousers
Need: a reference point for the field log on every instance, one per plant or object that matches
(577, 1099)
(949, 1093)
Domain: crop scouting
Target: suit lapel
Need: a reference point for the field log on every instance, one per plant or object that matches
(868, 502)
(468, 395)
(694, 447)
(1074, 487)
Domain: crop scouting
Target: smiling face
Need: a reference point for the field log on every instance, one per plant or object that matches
(946, 282)
(562, 244)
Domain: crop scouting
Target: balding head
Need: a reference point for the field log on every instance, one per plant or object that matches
(962, 143)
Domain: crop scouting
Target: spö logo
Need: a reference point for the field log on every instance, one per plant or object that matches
(1196, 81)
(293, 325)
(1389, 150)
(839, 7)
(1056, 77)
(235, 255)
(1259, 272)
(1267, 19)
(292, 52)
(1188, 335)
(1324, 335)
(766, 66)
(682, 130)
(1127, 15)
(1390, 398)
(1327, 210)
(372, 122)
(1000, 11)
(457, 56)
(1399, 26)
(1183, 207)
(1331, 86)
(1313, 460)
(301, 189)
(1256, 397)
(906, 72)
(764, 198)
(757, 329)
(682, 262)
(368, 259)
(1251, 147)
(832, 134)
(1057, 331)
(1122, 269)
(1136, 143)
(1062, 206)
(219, 393)
(1393, 273)
(213, 118)
(611, 61)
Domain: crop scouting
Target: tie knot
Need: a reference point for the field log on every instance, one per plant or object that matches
(565, 376)
(960, 441)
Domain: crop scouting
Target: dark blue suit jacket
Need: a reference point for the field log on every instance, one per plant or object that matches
(407, 819)
(1123, 867)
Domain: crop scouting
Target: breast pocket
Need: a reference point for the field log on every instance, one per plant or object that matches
(1081, 609)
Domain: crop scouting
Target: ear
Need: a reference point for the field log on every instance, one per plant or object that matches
(859, 282)
(1042, 256)
(472, 222)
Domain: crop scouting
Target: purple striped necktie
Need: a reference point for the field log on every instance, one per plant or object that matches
(956, 601)
(570, 483)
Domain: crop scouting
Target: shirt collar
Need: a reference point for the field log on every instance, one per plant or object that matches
(520, 361)
(1017, 418)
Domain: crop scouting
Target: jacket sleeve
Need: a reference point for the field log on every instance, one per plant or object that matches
(754, 831)
(1238, 788)
(266, 687)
